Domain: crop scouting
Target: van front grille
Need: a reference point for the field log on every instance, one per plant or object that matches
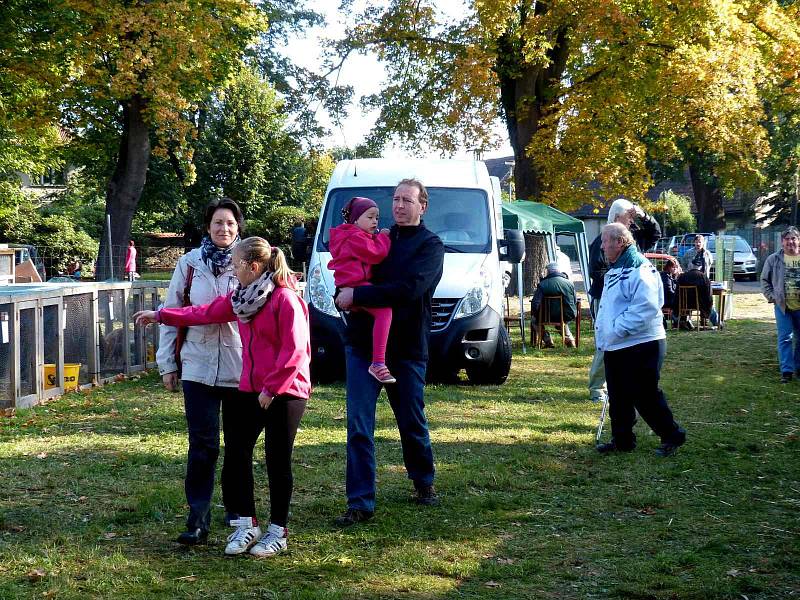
(441, 312)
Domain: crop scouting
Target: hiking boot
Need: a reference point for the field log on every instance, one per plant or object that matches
(612, 446)
(786, 377)
(193, 537)
(426, 495)
(241, 540)
(381, 373)
(271, 543)
(352, 516)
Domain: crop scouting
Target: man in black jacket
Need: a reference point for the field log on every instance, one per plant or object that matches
(405, 281)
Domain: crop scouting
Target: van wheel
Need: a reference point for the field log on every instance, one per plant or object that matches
(495, 373)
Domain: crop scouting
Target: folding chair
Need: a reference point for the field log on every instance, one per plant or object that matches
(511, 321)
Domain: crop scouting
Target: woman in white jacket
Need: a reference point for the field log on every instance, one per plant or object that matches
(210, 359)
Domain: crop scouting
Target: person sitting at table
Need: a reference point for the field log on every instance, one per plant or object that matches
(695, 277)
(669, 278)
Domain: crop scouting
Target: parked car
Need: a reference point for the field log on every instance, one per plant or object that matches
(744, 260)
(680, 244)
(661, 246)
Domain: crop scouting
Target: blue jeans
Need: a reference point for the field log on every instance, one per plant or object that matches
(788, 339)
(407, 402)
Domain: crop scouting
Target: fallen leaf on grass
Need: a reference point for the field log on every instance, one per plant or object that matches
(42, 455)
(732, 573)
(187, 578)
(36, 574)
(647, 510)
(109, 536)
(505, 561)
(491, 584)
(9, 412)
(344, 560)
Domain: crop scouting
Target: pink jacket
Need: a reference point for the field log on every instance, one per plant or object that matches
(276, 349)
(353, 252)
(130, 260)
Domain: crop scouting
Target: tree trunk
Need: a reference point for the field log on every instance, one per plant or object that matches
(527, 91)
(707, 198)
(125, 188)
(535, 262)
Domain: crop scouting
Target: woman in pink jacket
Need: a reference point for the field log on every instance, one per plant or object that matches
(276, 354)
(355, 246)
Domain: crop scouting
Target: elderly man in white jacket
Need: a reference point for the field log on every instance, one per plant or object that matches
(629, 331)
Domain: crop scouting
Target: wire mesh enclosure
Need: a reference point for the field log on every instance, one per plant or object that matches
(55, 337)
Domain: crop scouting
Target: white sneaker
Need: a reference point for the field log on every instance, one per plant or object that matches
(241, 540)
(273, 542)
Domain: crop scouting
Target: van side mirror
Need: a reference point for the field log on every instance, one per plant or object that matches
(512, 248)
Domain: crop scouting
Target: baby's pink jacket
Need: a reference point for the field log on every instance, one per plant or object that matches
(353, 253)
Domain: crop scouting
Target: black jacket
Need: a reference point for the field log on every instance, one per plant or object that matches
(645, 230)
(404, 281)
(698, 279)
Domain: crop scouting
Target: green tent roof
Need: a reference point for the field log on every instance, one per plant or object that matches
(538, 218)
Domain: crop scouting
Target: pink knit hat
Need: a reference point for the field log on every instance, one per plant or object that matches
(355, 208)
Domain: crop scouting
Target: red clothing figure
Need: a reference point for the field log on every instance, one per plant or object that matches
(354, 252)
(130, 261)
(276, 347)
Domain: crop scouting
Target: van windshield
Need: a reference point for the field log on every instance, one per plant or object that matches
(458, 216)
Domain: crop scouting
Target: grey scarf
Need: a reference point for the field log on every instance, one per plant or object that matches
(248, 301)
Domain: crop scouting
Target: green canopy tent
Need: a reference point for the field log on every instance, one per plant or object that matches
(541, 219)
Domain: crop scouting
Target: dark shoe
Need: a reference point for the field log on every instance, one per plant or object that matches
(228, 518)
(193, 537)
(786, 377)
(426, 495)
(669, 448)
(352, 516)
(612, 446)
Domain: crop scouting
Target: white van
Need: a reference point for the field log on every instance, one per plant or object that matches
(464, 210)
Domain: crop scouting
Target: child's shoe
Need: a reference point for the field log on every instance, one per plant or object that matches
(273, 542)
(381, 373)
(246, 534)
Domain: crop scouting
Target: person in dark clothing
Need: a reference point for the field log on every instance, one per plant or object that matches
(696, 278)
(555, 283)
(669, 279)
(404, 281)
(645, 230)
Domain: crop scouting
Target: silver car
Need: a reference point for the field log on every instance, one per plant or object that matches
(744, 261)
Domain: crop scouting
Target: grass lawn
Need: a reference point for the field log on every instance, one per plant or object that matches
(92, 495)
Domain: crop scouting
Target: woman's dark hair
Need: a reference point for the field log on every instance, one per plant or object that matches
(215, 205)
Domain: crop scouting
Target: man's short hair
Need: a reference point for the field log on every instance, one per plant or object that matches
(618, 231)
(553, 267)
(423, 192)
(790, 231)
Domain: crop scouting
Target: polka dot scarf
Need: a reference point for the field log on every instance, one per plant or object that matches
(248, 301)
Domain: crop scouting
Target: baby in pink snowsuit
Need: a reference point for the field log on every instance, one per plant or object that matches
(355, 246)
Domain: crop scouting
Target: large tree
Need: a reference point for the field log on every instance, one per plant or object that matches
(130, 70)
(588, 89)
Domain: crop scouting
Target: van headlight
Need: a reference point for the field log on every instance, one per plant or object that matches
(318, 293)
(476, 299)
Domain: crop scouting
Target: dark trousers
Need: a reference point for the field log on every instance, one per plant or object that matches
(632, 375)
(202, 404)
(243, 422)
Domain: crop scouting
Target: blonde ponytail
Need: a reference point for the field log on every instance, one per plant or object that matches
(271, 258)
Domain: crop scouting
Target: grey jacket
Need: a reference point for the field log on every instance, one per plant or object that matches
(211, 354)
(688, 257)
(773, 284)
